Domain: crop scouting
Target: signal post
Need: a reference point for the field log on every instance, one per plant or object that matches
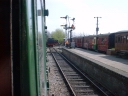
(97, 28)
(66, 28)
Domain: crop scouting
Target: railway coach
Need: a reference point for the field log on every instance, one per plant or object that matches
(100, 42)
(19, 48)
(121, 44)
(78, 41)
(90, 42)
(121, 40)
(105, 41)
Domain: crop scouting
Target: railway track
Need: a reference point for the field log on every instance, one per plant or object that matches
(79, 84)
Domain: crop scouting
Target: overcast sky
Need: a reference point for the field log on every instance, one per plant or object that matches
(114, 15)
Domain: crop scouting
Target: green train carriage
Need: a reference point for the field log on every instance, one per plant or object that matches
(20, 59)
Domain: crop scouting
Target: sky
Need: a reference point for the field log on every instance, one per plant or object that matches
(114, 15)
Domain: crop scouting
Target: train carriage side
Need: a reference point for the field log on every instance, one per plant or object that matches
(121, 41)
(111, 41)
(105, 41)
(78, 41)
(85, 42)
(90, 42)
(95, 43)
(19, 60)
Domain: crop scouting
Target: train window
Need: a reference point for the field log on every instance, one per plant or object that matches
(94, 41)
(127, 39)
(119, 40)
(124, 39)
(98, 40)
(102, 40)
(116, 39)
(105, 39)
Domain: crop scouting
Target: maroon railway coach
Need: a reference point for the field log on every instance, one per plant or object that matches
(78, 41)
(105, 41)
(89, 42)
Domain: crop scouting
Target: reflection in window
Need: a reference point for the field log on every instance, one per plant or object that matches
(94, 41)
(127, 39)
(116, 39)
(102, 40)
(119, 40)
(124, 39)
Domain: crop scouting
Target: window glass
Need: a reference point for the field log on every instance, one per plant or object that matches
(119, 39)
(127, 39)
(124, 39)
(94, 41)
(102, 40)
(116, 40)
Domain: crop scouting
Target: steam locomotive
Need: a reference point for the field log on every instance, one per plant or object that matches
(51, 42)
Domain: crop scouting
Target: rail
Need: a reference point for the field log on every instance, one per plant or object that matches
(78, 82)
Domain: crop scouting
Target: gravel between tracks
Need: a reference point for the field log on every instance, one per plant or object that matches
(57, 86)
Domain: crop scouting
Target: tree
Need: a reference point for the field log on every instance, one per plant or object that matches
(59, 35)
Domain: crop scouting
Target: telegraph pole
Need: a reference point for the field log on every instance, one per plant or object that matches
(97, 28)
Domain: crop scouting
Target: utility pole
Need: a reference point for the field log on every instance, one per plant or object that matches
(97, 28)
